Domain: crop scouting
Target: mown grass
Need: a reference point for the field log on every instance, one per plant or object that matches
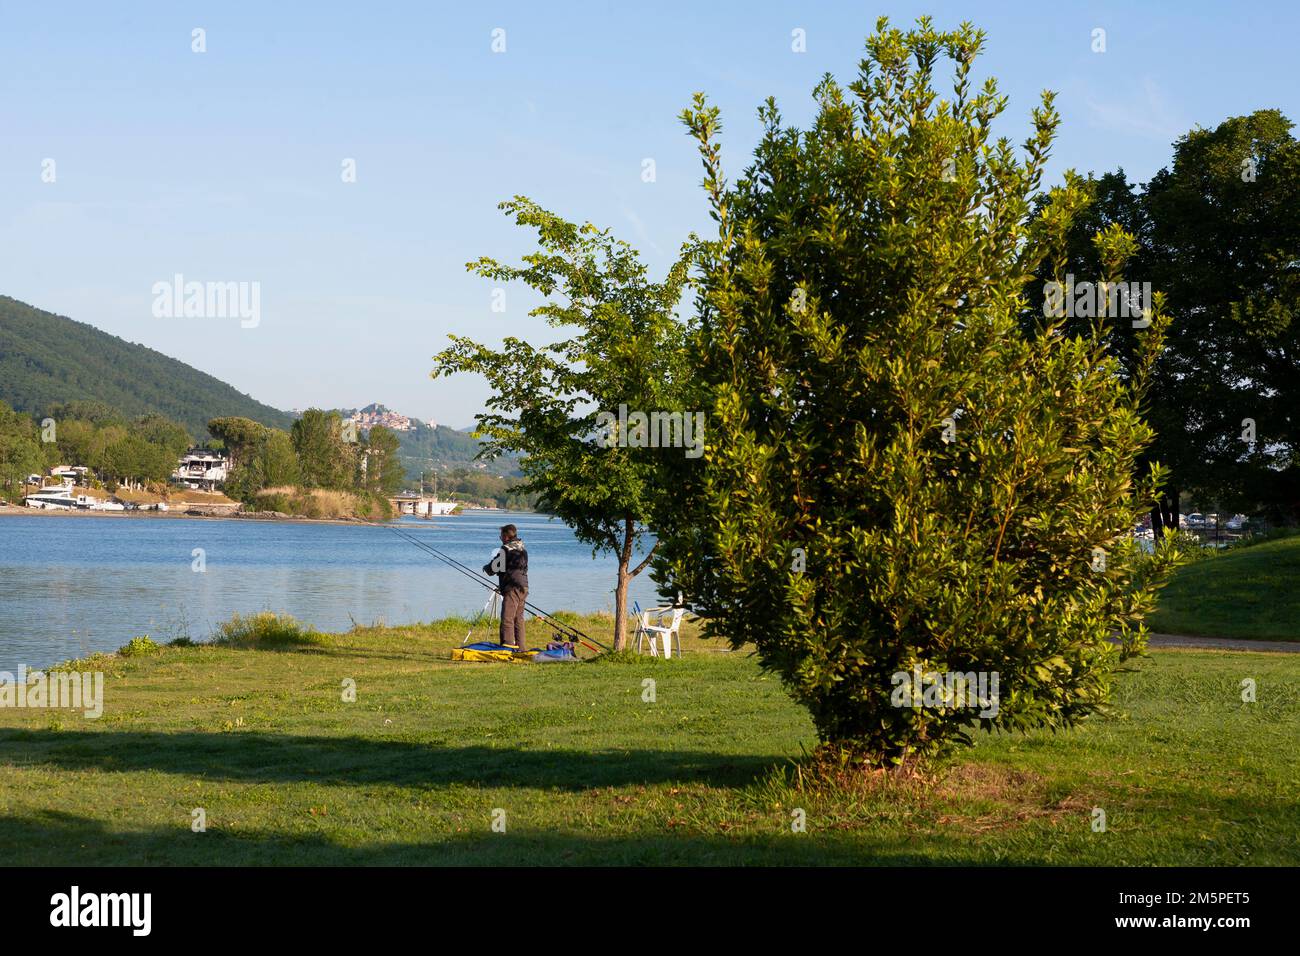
(589, 771)
(1242, 592)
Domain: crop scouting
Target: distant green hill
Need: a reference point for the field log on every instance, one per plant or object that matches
(47, 359)
(441, 448)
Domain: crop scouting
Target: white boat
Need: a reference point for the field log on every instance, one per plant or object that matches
(62, 499)
(51, 499)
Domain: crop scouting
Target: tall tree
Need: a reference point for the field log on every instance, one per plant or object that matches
(1219, 232)
(20, 449)
(1225, 244)
(75, 439)
(326, 456)
(240, 437)
(553, 404)
(275, 463)
(165, 434)
(382, 470)
(899, 480)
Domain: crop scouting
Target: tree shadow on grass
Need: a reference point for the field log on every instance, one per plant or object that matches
(55, 838)
(252, 757)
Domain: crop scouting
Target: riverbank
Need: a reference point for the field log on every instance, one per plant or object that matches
(14, 510)
(590, 764)
(21, 511)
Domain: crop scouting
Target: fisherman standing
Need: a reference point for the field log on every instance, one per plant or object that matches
(510, 565)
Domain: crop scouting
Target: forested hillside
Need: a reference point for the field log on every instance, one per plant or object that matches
(47, 359)
(442, 449)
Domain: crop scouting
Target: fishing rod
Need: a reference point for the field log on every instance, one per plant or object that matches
(469, 573)
(567, 630)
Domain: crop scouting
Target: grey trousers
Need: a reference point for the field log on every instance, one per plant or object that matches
(512, 617)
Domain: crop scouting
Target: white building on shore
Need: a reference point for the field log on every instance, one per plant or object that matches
(201, 470)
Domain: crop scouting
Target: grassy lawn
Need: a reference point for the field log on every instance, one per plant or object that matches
(589, 772)
(1249, 592)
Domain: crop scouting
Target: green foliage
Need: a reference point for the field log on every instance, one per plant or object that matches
(20, 450)
(121, 454)
(139, 647)
(316, 471)
(267, 457)
(118, 452)
(625, 347)
(263, 629)
(425, 448)
(382, 472)
(47, 360)
(898, 476)
(1219, 232)
(481, 487)
(90, 412)
(240, 437)
(275, 462)
(326, 459)
(75, 440)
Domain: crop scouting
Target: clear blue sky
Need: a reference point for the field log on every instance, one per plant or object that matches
(226, 165)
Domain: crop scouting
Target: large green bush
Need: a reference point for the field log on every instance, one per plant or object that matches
(897, 477)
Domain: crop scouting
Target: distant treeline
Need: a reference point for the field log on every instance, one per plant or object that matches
(117, 450)
(286, 471)
(479, 488)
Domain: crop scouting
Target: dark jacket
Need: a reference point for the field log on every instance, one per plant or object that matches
(515, 576)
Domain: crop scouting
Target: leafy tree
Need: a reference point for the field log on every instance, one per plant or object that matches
(74, 440)
(165, 434)
(239, 436)
(111, 457)
(275, 463)
(624, 348)
(1219, 232)
(898, 478)
(20, 449)
(382, 470)
(325, 457)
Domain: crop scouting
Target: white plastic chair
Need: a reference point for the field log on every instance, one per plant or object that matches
(659, 632)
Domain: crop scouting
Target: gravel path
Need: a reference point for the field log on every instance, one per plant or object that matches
(1224, 643)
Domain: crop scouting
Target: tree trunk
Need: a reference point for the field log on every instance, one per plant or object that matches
(620, 591)
(625, 578)
(620, 605)
(1164, 516)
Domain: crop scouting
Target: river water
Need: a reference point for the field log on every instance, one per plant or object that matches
(71, 585)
